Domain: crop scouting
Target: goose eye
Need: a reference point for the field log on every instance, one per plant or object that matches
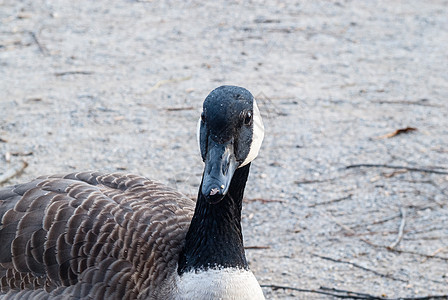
(248, 118)
(203, 117)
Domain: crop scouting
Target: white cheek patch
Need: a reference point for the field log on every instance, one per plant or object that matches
(257, 136)
(198, 135)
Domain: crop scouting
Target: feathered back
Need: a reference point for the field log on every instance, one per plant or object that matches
(103, 236)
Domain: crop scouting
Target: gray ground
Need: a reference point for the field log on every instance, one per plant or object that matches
(332, 80)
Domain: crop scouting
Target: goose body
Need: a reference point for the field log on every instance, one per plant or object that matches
(93, 235)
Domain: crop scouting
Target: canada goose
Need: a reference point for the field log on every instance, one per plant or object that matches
(93, 235)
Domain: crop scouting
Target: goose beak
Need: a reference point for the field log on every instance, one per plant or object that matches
(220, 164)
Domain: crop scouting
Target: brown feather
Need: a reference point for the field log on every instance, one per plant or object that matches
(89, 235)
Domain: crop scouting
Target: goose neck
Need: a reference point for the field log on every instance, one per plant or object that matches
(214, 239)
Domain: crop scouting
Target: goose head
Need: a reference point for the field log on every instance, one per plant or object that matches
(230, 133)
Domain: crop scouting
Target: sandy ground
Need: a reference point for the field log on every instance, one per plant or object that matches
(118, 85)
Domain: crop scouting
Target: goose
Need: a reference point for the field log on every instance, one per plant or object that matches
(93, 235)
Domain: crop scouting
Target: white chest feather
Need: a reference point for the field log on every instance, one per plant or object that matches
(226, 284)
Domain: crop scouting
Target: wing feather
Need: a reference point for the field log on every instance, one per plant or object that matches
(89, 235)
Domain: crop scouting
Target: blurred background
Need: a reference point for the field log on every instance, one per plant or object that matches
(350, 188)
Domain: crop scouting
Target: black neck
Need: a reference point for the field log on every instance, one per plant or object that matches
(214, 238)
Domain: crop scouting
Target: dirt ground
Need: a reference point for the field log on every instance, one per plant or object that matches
(338, 198)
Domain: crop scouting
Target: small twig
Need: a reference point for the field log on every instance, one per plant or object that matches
(180, 108)
(272, 108)
(14, 171)
(393, 173)
(414, 253)
(276, 287)
(353, 233)
(396, 167)
(387, 219)
(162, 82)
(22, 153)
(398, 132)
(59, 74)
(350, 294)
(356, 295)
(264, 200)
(345, 294)
(349, 230)
(349, 196)
(310, 181)
(41, 47)
(361, 267)
(257, 247)
(425, 231)
(374, 233)
(434, 253)
(422, 102)
(392, 217)
(400, 230)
